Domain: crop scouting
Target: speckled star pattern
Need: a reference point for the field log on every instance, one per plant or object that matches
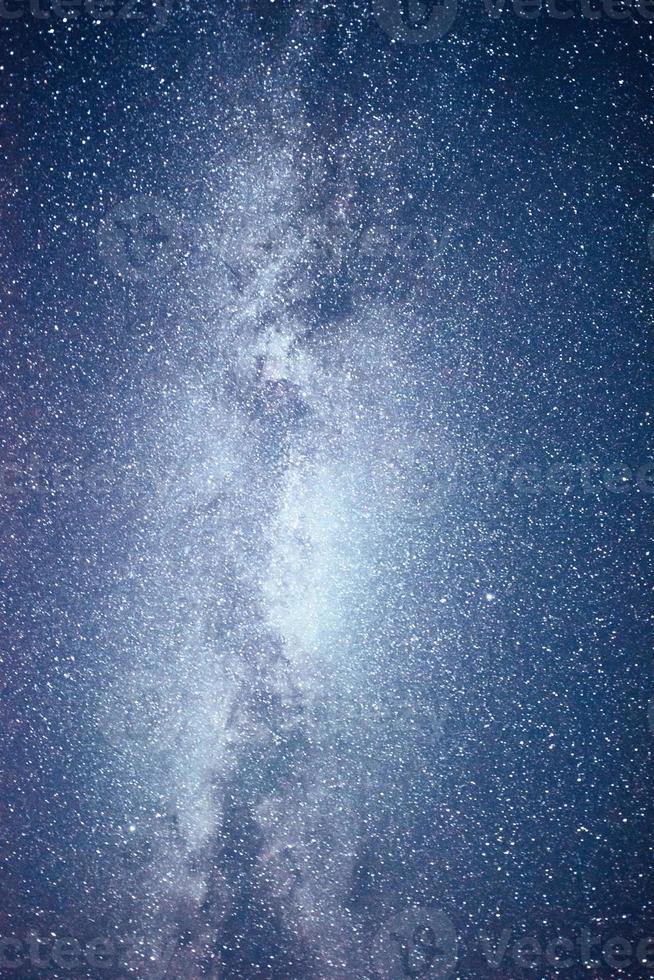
(326, 489)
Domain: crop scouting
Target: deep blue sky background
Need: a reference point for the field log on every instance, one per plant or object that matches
(533, 141)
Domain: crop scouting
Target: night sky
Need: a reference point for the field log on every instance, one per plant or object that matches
(326, 490)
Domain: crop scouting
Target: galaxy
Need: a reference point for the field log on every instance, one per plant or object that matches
(326, 489)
